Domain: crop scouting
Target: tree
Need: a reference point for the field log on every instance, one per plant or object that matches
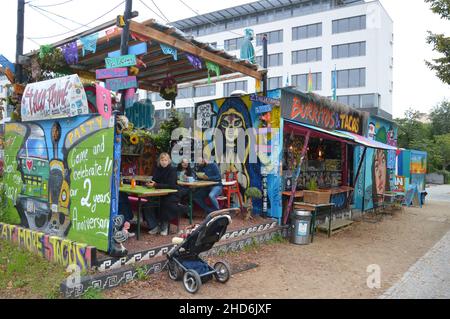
(411, 129)
(162, 139)
(440, 42)
(444, 147)
(440, 119)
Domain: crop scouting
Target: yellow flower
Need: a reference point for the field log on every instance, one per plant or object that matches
(134, 139)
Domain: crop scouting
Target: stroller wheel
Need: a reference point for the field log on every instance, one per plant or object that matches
(223, 271)
(174, 271)
(192, 281)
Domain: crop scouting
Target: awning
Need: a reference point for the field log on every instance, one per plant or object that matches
(341, 136)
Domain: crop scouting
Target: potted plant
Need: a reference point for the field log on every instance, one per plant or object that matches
(313, 195)
(251, 193)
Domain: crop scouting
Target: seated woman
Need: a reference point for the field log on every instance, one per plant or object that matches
(184, 169)
(164, 177)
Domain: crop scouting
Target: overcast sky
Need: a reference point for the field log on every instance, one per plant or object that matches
(414, 84)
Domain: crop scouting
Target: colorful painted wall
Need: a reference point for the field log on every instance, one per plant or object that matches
(54, 249)
(58, 177)
(413, 165)
(247, 112)
(379, 167)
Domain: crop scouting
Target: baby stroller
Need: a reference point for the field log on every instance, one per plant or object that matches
(184, 261)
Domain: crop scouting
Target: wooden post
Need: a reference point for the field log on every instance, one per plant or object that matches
(296, 175)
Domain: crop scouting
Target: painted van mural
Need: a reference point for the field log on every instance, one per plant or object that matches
(379, 167)
(246, 113)
(58, 176)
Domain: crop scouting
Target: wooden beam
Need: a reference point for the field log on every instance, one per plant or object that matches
(192, 49)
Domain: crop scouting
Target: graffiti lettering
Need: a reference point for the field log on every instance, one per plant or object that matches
(54, 249)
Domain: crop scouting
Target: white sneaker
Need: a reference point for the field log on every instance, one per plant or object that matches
(154, 231)
(131, 235)
(165, 230)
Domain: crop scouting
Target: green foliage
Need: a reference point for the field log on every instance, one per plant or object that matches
(253, 192)
(433, 137)
(92, 293)
(141, 273)
(440, 118)
(162, 140)
(52, 65)
(312, 185)
(440, 42)
(23, 271)
(252, 246)
(277, 239)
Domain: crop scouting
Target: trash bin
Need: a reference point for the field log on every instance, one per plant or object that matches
(300, 227)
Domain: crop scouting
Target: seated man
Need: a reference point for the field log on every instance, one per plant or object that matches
(208, 172)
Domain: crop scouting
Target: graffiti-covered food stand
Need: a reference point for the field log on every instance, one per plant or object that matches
(294, 142)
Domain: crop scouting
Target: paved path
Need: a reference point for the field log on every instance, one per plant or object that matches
(428, 278)
(439, 193)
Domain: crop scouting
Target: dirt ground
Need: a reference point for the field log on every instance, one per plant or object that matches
(328, 268)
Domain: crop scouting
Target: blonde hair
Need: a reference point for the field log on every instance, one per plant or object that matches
(164, 155)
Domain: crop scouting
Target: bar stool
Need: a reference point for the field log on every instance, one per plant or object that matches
(230, 187)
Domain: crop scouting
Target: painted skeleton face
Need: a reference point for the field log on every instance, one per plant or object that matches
(230, 125)
(372, 131)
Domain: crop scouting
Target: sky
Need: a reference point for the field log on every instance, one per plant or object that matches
(415, 86)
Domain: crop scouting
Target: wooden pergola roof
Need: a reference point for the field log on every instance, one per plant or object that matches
(160, 64)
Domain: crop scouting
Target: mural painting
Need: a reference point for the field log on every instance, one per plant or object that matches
(378, 171)
(257, 161)
(54, 249)
(58, 177)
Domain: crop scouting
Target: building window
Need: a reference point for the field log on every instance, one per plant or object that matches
(307, 31)
(351, 78)
(349, 24)
(275, 83)
(349, 50)
(272, 60)
(233, 44)
(209, 90)
(359, 100)
(301, 81)
(272, 37)
(185, 93)
(228, 88)
(309, 55)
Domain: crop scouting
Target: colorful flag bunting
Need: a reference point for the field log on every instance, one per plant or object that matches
(89, 43)
(70, 52)
(169, 51)
(195, 61)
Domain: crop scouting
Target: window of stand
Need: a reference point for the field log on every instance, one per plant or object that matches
(323, 162)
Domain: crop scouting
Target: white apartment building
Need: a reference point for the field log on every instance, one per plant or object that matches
(355, 37)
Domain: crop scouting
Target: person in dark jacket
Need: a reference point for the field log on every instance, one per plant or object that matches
(184, 169)
(164, 177)
(208, 172)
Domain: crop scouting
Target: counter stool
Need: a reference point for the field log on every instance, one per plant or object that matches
(230, 187)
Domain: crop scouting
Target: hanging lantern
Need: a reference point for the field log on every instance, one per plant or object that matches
(169, 88)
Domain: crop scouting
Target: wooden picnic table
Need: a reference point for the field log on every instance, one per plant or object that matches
(144, 192)
(191, 186)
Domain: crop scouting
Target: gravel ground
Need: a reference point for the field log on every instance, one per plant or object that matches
(328, 268)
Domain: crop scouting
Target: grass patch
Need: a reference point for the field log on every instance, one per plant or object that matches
(277, 239)
(252, 246)
(92, 293)
(141, 273)
(25, 275)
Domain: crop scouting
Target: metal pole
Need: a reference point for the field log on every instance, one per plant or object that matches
(265, 58)
(19, 38)
(126, 28)
(124, 42)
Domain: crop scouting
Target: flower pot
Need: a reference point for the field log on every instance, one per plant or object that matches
(317, 197)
